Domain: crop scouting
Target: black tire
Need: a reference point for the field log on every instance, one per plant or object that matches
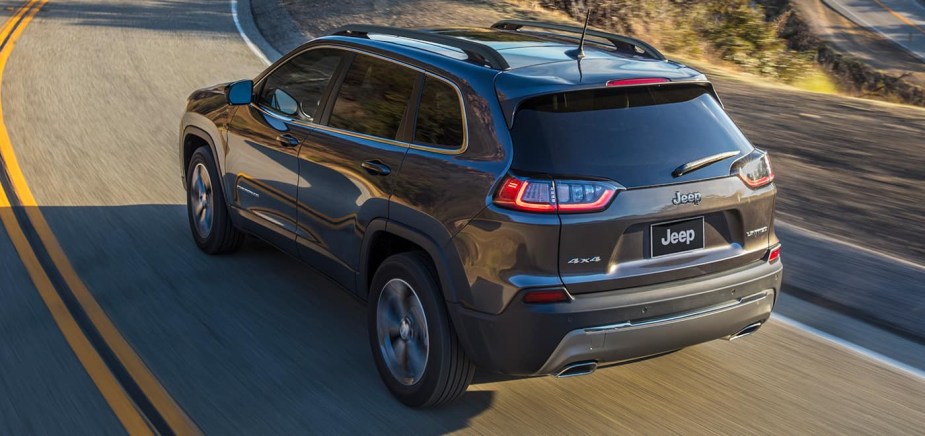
(222, 236)
(447, 371)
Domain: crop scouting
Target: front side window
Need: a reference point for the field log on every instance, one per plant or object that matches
(295, 88)
(439, 122)
(373, 98)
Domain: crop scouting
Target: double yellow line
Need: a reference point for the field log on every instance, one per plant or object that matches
(136, 397)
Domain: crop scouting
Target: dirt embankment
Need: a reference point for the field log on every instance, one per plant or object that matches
(864, 63)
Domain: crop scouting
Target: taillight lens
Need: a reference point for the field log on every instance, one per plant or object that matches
(527, 195)
(754, 169)
(567, 196)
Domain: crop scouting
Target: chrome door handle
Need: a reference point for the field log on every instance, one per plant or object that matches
(375, 167)
(287, 140)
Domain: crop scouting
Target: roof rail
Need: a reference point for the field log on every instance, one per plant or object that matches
(478, 54)
(619, 42)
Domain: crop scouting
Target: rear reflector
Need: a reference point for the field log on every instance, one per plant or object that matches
(547, 296)
(774, 255)
(543, 195)
(640, 81)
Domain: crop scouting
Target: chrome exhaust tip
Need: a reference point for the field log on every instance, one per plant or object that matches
(576, 369)
(749, 329)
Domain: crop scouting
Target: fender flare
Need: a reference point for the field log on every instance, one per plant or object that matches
(205, 136)
(443, 259)
(450, 273)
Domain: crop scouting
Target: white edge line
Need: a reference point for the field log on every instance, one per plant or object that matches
(846, 10)
(250, 44)
(855, 348)
(817, 235)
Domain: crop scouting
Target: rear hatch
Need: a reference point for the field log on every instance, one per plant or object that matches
(668, 223)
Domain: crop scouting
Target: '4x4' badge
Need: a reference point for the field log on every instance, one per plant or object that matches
(594, 259)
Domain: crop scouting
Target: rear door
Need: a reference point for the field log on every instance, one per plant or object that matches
(665, 225)
(348, 163)
(264, 139)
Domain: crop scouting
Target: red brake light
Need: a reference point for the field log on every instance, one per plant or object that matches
(640, 81)
(774, 255)
(754, 169)
(547, 296)
(531, 196)
(567, 196)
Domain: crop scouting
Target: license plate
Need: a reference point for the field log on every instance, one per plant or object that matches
(676, 236)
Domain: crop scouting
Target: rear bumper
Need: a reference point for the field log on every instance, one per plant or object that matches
(620, 325)
(630, 340)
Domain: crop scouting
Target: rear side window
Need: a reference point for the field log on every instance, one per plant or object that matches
(636, 136)
(373, 98)
(296, 87)
(439, 122)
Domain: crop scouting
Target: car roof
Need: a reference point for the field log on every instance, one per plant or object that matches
(532, 63)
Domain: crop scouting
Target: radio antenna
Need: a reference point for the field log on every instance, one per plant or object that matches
(580, 52)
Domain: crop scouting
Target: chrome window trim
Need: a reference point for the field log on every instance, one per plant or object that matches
(312, 125)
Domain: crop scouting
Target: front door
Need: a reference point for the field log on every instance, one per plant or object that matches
(349, 164)
(264, 140)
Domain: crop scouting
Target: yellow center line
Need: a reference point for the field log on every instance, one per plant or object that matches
(901, 17)
(12, 20)
(102, 377)
(120, 403)
(175, 417)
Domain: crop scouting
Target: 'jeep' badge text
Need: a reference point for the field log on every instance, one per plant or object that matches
(679, 198)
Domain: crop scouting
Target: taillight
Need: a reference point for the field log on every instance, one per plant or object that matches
(774, 255)
(754, 169)
(566, 196)
(526, 195)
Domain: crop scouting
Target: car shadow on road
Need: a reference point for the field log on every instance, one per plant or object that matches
(255, 341)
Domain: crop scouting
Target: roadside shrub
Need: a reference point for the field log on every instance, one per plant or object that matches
(733, 30)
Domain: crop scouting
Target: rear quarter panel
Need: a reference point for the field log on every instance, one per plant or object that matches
(438, 192)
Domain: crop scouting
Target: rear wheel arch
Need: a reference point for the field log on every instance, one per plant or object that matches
(386, 238)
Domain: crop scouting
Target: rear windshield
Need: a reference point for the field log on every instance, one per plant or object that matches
(635, 136)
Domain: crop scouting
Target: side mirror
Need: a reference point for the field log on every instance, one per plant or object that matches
(240, 92)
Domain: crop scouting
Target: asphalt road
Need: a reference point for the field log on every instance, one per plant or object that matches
(902, 21)
(258, 343)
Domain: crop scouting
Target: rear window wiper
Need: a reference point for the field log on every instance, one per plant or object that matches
(700, 163)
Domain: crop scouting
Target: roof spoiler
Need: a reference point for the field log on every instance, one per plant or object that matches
(510, 106)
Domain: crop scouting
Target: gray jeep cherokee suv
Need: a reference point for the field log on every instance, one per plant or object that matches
(499, 198)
